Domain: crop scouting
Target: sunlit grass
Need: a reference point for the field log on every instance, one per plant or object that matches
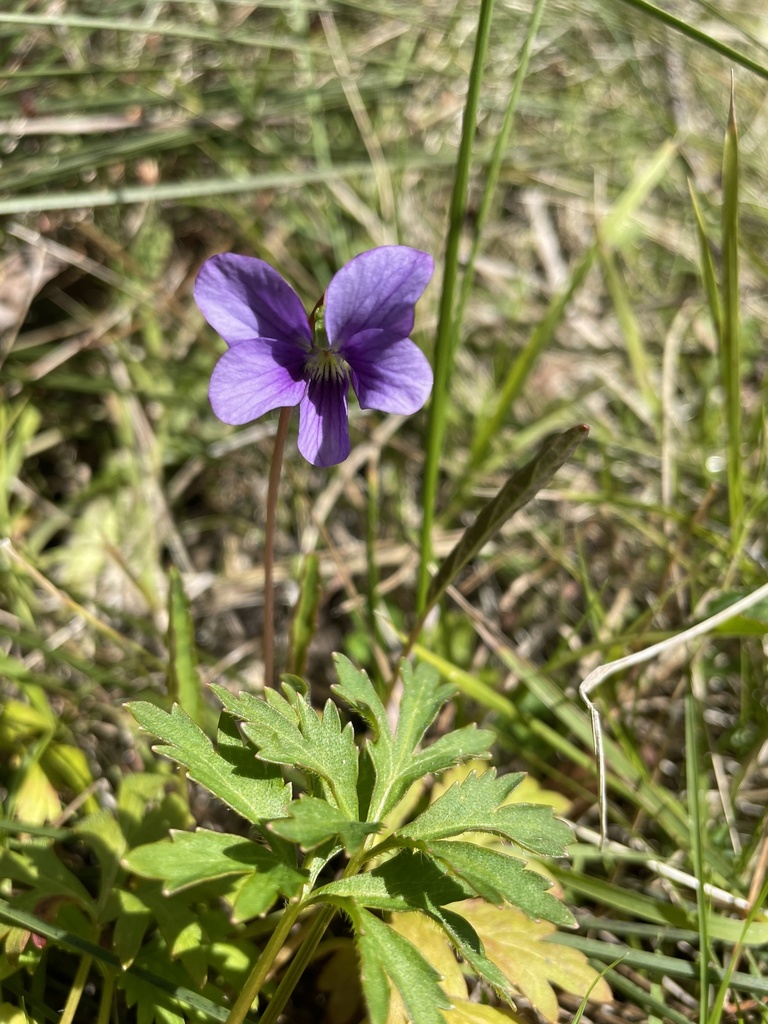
(137, 141)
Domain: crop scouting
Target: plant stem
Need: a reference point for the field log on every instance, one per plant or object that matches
(297, 966)
(447, 326)
(264, 964)
(73, 999)
(268, 646)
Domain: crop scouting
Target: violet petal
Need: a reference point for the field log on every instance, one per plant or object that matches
(255, 376)
(323, 426)
(244, 298)
(391, 376)
(377, 289)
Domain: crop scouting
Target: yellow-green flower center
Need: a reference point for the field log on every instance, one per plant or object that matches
(323, 364)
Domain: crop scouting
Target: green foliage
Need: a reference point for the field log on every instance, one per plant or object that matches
(348, 808)
(575, 274)
(256, 792)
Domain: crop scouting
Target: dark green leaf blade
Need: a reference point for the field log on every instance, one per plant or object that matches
(497, 877)
(189, 858)
(398, 885)
(254, 790)
(291, 732)
(312, 821)
(474, 805)
(519, 489)
(383, 952)
(423, 696)
(357, 691)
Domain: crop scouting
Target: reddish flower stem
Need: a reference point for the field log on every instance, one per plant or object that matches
(268, 646)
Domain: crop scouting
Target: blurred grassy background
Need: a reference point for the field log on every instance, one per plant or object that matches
(139, 138)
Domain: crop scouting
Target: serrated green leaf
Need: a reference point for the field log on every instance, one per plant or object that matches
(464, 744)
(462, 807)
(410, 882)
(396, 762)
(132, 919)
(38, 867)
(291, 732)
(398, 885)
(357, 691)
(248, 786)
(474, 805)
(468, 943)
(311, 821)
(498, 877)
(189, 858)
(386, 954)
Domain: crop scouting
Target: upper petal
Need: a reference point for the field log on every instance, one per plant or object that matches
(255, 376)
(391, 376)
(323, 422)
(244, 298)
(377, 289)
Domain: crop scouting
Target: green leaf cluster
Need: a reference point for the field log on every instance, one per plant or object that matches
(306, 781)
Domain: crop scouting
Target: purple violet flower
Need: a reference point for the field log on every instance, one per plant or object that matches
(277, 357)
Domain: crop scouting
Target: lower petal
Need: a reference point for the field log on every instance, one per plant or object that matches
(323, 422)
(254, 377)
(391, 376)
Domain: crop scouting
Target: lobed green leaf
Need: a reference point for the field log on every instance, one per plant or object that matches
(386, 954)
(233, 774)
(497, 877)
(312, 821)
(291, 732)
(189, 858)
(474, 805)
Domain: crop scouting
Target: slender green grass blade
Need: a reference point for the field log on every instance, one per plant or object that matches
(516, 492)
(305, 616)
(630, 329)
(641, 997)
(697, 824)
(730, 339)
(697, 36)
(656, 964)
(716, 1010)
(168, 994)
(183, 680)
(708, 268)
(447, 325)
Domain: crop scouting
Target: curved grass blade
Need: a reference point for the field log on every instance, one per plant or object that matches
(516, 492)
(684, 28)
(707, 267)
(730, 340)
(168, 993)
(446, 329)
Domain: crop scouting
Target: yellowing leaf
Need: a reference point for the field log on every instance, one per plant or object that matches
(36, 801)
(432, 943)
(430, 939)
(514, 943)
(12, 1015)
(530, 791)
(464, 1012)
